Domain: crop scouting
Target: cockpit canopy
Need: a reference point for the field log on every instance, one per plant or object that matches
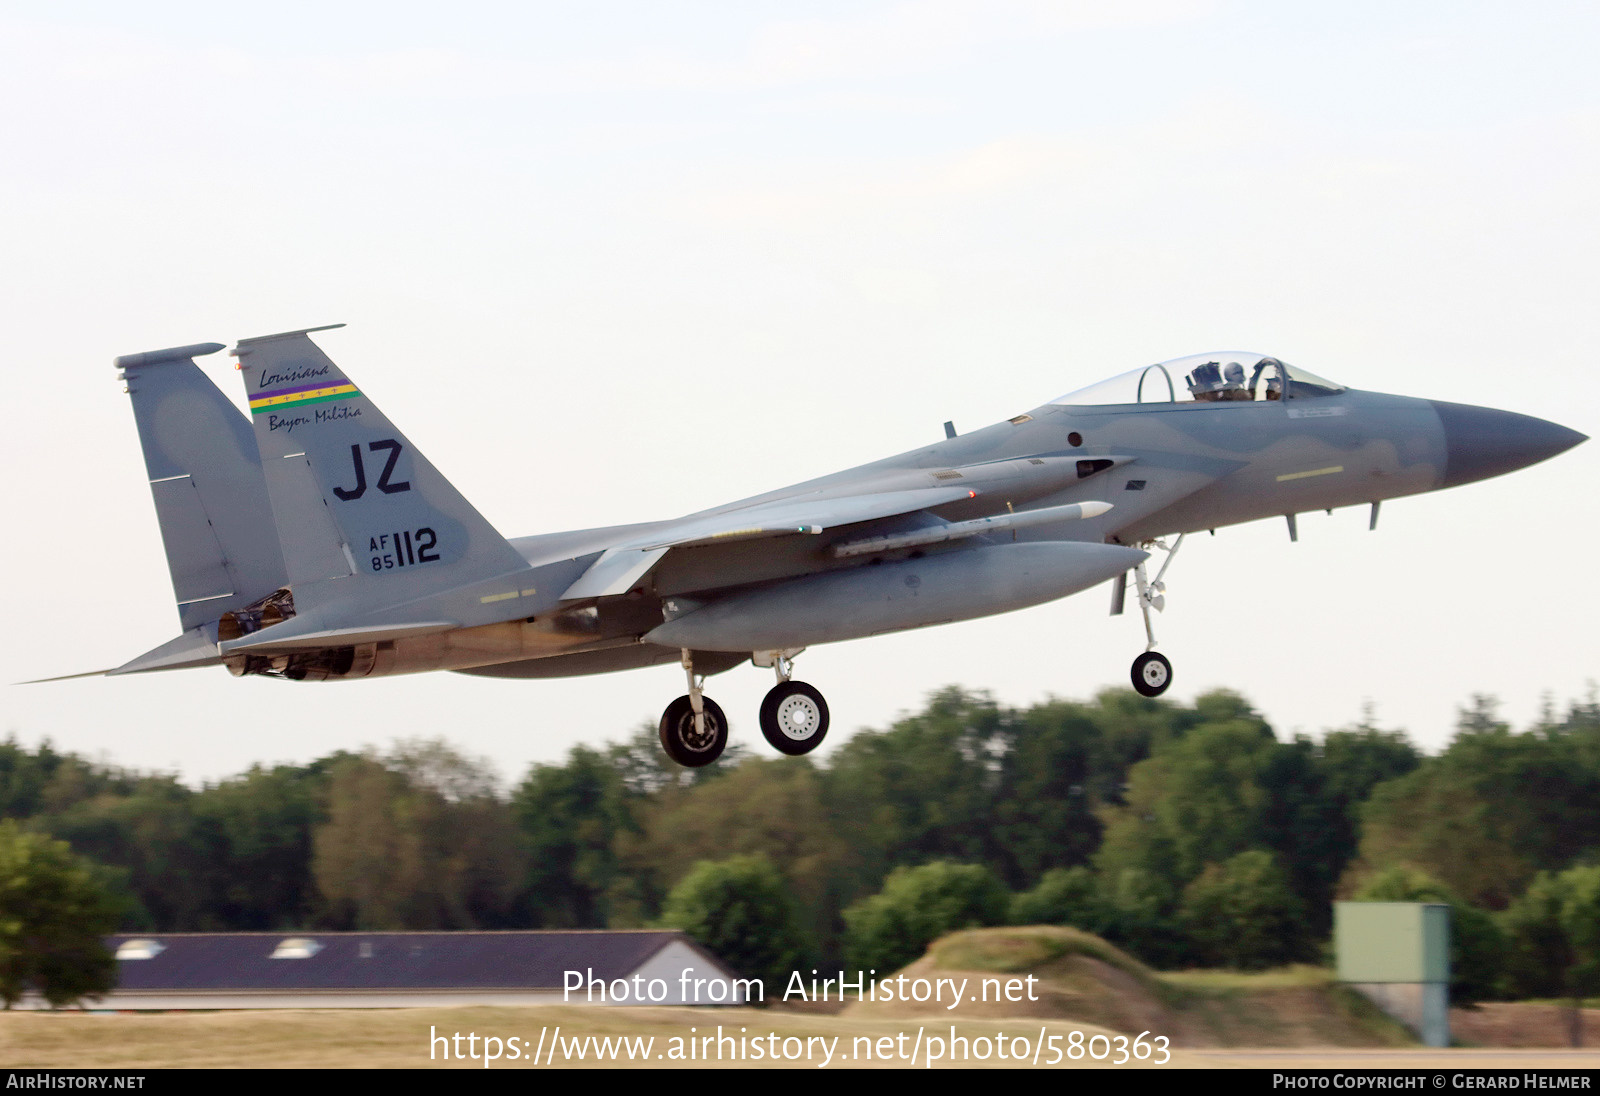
(1221, 377)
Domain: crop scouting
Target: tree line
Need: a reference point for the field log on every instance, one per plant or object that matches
(1189, 835)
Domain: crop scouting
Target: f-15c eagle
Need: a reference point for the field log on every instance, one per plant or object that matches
(313, 542)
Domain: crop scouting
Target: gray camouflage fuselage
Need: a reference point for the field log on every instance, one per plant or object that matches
(876, 548)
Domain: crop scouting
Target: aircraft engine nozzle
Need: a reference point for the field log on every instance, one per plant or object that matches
(889, 597)
(1481, 442)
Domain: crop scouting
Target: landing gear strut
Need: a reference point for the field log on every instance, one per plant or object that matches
(694, 732)
(794, 717)
(1152, 673)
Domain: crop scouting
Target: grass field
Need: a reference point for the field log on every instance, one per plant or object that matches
(399, 1038)
(1087, 992)
(372, 1038)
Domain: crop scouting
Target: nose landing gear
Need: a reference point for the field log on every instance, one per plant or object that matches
(1152, 673)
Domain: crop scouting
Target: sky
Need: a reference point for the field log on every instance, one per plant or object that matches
(668, 255)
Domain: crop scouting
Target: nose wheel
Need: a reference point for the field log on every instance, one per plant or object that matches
(1152, 673)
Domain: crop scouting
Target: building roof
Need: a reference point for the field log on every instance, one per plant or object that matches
(381, 960)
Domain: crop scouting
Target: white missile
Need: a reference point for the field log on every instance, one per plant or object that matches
(938, 534)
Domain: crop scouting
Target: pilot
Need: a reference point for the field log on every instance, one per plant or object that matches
(1233, 383)
(1205, 382)
(1274, 370)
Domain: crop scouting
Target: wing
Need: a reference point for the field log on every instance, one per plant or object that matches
(620, 567)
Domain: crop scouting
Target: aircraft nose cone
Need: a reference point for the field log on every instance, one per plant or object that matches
(1481, 442)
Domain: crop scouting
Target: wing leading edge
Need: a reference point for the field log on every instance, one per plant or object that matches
(621, 567)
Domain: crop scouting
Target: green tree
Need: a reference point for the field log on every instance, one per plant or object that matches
(646, 770)
(420, 840)
(367, 860)
(768, 808)
(924, 789)
(1243, 914)
(916, 907)
(1477, 944)
(1142, 917)
(173, 860)
(739, 908)
(1059, 768)
(1064, 896)
(1324, 836)
(569, 819)
(53, 913)
(1224, 786)
(1555, 940)
(45, 782)
(1494, 808)
(1355, 761)
(1135, 727)
(1196, 800)
(1305, 829)
(262, 823)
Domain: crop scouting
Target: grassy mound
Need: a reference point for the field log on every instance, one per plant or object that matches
(1081, 977)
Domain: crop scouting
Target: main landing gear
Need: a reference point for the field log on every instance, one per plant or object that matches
(1152, 673)
(794, 717)
(694, 732)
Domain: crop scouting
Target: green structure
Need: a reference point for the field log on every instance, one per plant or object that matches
(1398, 955)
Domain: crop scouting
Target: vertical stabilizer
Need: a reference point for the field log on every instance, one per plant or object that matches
(210, 494)
(363, 518)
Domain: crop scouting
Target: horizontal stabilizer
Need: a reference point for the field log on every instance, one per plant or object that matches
(275, 639)
(196, 647)
(65, 677)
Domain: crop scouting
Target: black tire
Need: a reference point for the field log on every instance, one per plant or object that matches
(794, 718)
(1152, 673)
(678, 736)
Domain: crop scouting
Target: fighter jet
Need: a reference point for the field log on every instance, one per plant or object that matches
(313, 541)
